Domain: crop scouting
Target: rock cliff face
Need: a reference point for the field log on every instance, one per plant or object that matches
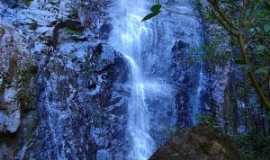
(229, 98)
(18, 93)
(62, 86)
(63, 92)
(61, 89)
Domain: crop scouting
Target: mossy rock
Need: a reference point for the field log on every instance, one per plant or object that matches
(27, 92)
(28, 2)
(33, 25)
(2, 32)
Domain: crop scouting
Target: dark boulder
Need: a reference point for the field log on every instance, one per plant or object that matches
(199, 143)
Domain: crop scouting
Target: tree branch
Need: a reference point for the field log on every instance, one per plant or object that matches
(236, 32)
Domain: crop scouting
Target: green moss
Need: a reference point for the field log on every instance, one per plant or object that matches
(27, 94)
(34, 25)
(28, 2)
(74, 13)
(2, 32)
(207, 120)
(72, 30)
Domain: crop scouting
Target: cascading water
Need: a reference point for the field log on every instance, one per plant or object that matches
(147, 48)
(82, 113)
(126, 38)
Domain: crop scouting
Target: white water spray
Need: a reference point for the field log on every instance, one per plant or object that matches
(147, 48)
(126, 38)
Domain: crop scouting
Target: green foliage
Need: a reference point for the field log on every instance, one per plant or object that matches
(2, 32)
(155, 10)
(215, 56)
(205, 12)
(248, 25)
(208, 120)
(266, 28)
(253, 146)
(28, 2)
(240, 62)
(72, 31)
(263, 70)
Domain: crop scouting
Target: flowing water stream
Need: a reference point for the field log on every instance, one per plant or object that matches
(127, 38)
(146, 47)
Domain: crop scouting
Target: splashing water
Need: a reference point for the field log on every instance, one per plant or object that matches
(147, 47)
(126, 38)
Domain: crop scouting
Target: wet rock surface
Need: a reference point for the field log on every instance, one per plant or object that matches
(199, 143)
(74, 101)
(18, 93)
(61, 86)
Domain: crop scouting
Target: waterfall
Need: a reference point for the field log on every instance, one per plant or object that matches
(92, 102)
(197, 104)
(127, 39)
(147, 48)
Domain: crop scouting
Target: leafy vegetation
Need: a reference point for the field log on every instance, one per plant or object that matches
(253, 146)
(247, 23)
(28, 2)
(207, 120)
(155, 10)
